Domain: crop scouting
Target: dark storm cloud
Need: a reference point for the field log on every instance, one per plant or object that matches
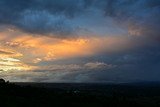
(61, 17)
(39, 16)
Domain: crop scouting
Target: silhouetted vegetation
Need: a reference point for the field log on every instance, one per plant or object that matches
(79, 95)
(2, 80)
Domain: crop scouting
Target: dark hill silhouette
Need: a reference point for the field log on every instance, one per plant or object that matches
(78, 95)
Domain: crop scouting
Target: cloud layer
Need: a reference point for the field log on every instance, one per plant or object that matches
(80, 40)
(59, 18)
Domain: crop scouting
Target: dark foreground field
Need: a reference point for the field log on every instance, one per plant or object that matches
(79, 95)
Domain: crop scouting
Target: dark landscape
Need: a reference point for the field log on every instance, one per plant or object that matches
(144, 94)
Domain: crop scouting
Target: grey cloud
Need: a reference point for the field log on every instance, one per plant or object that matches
(140, 65)
(56, 73)
(137, 65)
(39, 16)
(61, 17)
(43, 22)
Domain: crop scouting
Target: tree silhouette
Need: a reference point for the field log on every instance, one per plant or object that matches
(2, 80)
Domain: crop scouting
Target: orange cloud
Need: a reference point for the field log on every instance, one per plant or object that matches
(31, 49)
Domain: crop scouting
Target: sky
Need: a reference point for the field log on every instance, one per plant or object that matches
(80, 40)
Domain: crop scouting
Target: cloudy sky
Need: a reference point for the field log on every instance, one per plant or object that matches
(80, 40)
